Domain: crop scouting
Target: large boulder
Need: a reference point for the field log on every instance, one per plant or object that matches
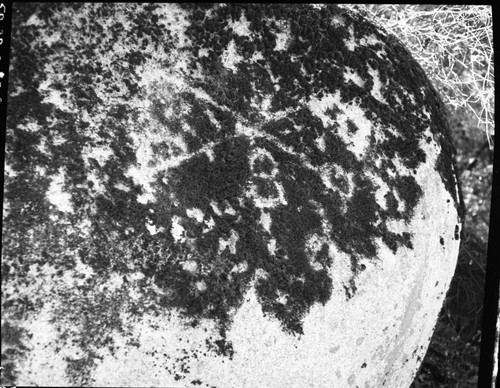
(221, 196)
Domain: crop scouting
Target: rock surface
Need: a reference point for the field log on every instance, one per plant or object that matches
(221, 196)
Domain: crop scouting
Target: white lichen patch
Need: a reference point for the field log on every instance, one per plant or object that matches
(337, 20)
(151, 228)
(53, 96)
(122, 187)
(381, 189)
(209, 225)
(350, 43)
(58, 139)
(377, 85)
(190, 266)
(230, 57)
(399, 168)
(34, 20)
(39, 170)
(281, 297)
(240, 267)
(8, 171)
(97, 183)
(46, 336)
(370, 40)
(212, 119)
(319, 106)
(379, 137)
(229, 209)
(229, 243)
(250, 132)
(16, 90)
(210, 154)
(177, 230)
(145, 198)
(100, 153)
(326, 172)
(114, 282)
(351, 75)
(320, 142)
(265, 220)
(56, 194)
(256, 56)
(357, 142)
(148, 165)
(336, 172)
(30, 127)
(261, 274)
(313, 246)
(283, 38)
(241, 27)
(215, 208)
(42, 147)
(195, 213)
(271, 246)
(129, 231)
(175, 19)
(201, 286)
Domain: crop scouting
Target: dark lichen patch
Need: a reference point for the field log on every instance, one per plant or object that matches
(263, 165)
(340, 182)
(351, 127)
(161, 149)
(323, 256)
(198, 181)
(14, 339)
(395, 240)
(392, 205)
(265, 187)
(449, 176)
(291, 273)
(362, 217)
(333, 112)
(410, 192)
(407, 148)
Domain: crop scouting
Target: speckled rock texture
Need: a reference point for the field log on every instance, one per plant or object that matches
(221, 196)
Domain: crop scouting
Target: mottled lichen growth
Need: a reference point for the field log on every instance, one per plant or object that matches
(251, 154)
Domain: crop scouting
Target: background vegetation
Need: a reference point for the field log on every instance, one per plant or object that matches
(454, 44)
